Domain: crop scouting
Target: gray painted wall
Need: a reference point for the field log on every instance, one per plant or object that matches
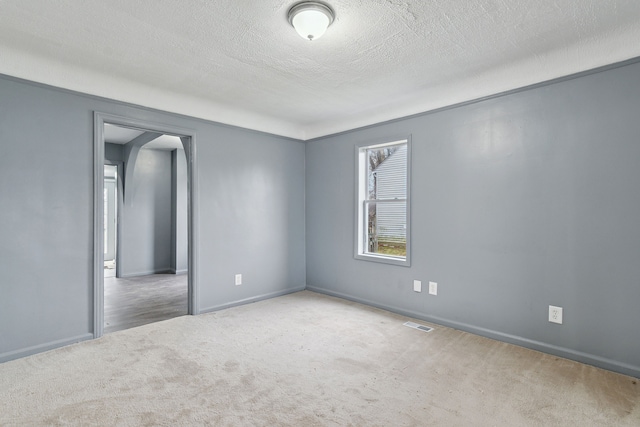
(113, 152)
(518, 202)
(179, 224)
(251, 202)
(146, 218)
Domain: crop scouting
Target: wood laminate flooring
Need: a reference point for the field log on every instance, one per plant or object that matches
(137, 301)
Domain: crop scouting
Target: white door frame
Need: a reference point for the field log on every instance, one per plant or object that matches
(188, 137)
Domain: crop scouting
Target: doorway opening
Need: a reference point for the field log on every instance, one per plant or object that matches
(144, 223)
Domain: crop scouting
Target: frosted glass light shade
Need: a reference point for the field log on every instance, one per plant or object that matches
(310, 19)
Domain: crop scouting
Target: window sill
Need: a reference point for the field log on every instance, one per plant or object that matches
(404, 262)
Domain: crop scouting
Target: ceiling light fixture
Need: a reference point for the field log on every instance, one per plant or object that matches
(310, 18)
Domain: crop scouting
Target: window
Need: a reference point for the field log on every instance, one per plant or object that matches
(382, 213)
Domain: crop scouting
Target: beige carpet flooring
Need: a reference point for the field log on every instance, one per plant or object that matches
(307, 360)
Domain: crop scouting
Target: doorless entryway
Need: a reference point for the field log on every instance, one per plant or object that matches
(146, 130)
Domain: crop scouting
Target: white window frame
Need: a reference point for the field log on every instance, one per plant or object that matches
(361, 178)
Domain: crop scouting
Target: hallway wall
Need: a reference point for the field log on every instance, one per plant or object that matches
(154, 220)
(146, 218)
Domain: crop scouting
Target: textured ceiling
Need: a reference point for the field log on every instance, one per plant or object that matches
(239, 62)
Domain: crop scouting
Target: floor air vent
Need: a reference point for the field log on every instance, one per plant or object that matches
(416, 326)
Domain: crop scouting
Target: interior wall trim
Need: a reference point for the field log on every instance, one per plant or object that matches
(23, 352)
(578, 356)
(252, 299)
(149, 272)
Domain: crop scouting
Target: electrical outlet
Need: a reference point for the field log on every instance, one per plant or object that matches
(417, 285)
(433, 288)
(555, 314)
(238, 279)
